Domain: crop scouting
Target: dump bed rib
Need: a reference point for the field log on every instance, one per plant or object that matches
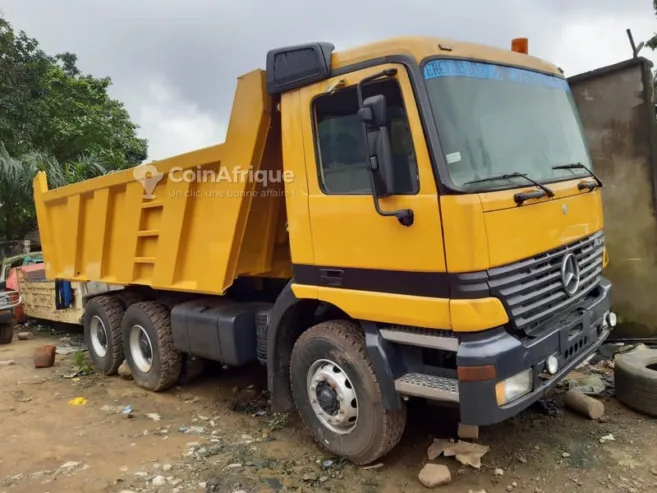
(187, 235)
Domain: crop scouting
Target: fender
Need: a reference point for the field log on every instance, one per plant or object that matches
(288, 318)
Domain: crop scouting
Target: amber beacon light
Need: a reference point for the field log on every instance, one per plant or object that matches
(520, 45)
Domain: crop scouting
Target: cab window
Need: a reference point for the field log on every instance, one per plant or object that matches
(341, 141)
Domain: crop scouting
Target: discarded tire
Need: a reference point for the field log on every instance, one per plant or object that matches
(6, 333)
(636, 380)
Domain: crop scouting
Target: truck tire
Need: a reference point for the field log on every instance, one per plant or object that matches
(6, 333)
(102, 333)
(338, 396)
(148, 346)
(128, 298)
(635, 376)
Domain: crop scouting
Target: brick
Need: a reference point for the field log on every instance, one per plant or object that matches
(468, 432)
(44, 357)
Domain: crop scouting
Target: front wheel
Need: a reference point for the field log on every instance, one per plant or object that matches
(6, 333)
(338, 396)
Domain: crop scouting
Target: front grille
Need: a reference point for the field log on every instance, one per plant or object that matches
(532, 290)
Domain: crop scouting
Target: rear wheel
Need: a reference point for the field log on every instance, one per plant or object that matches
(102, 333)
(148, 345)
(128, 298)
(338, 396)
(6, 333)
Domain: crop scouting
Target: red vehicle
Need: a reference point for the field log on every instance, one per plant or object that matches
(11, 309)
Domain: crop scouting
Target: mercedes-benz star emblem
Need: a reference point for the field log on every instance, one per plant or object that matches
(570, 274)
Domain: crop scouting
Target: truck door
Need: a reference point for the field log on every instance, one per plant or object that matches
(369, 265)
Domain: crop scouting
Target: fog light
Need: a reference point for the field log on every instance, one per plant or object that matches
(514, 387)
(612, 319)
(552, 364)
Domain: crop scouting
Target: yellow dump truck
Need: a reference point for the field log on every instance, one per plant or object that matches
(414, 218)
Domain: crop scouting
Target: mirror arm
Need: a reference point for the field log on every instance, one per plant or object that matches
(391, 72)
(404, 216)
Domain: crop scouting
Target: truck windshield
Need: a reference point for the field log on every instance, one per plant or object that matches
(495, 119)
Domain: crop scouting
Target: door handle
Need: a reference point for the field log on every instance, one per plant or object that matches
(331, 277)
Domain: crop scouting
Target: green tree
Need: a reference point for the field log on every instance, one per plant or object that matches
(652, 42)
(47, 105)
(56, 119)
(17, 214)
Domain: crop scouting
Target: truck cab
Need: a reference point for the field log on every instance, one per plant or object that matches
(438, 235)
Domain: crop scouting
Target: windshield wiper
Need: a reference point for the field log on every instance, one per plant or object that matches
(581, 186)
(519, 197)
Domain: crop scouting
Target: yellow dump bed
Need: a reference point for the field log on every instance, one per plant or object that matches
(189, 223)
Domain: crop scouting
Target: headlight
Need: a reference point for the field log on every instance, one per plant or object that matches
(514, 387)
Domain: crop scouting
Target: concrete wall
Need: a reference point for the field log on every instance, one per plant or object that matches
(615, 105)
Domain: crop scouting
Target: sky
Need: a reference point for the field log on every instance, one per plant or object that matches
(174, 63)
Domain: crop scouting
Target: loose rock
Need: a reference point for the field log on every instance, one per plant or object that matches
(607, 438)
(433, 475)
(7, 362)
(25, 336)
(499, 472)
(584, 405)
(565, 455)
(466, 453)
(159, 481)
(124, 371)
(468, 432)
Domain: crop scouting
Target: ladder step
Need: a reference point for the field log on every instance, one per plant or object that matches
(144, 260)
(428, 386)
(148, 232)
(152, 203)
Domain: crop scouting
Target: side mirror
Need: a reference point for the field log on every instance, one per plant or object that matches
(374, 115)
(373, 112)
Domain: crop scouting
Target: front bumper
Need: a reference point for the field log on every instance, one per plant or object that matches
(572, 340)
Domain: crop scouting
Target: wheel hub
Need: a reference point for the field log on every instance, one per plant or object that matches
(98, 335)
(327, 398)
(141, 348)
(332, 396)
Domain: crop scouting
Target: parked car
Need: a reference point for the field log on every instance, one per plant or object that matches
(11, 310)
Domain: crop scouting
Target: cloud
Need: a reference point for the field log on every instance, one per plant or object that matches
(175, 63)
(175, 124)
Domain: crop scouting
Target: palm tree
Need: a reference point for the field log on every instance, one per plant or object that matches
(17, 214)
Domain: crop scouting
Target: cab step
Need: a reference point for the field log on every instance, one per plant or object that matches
(429, 387)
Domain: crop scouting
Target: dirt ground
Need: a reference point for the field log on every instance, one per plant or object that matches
(215, 434)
